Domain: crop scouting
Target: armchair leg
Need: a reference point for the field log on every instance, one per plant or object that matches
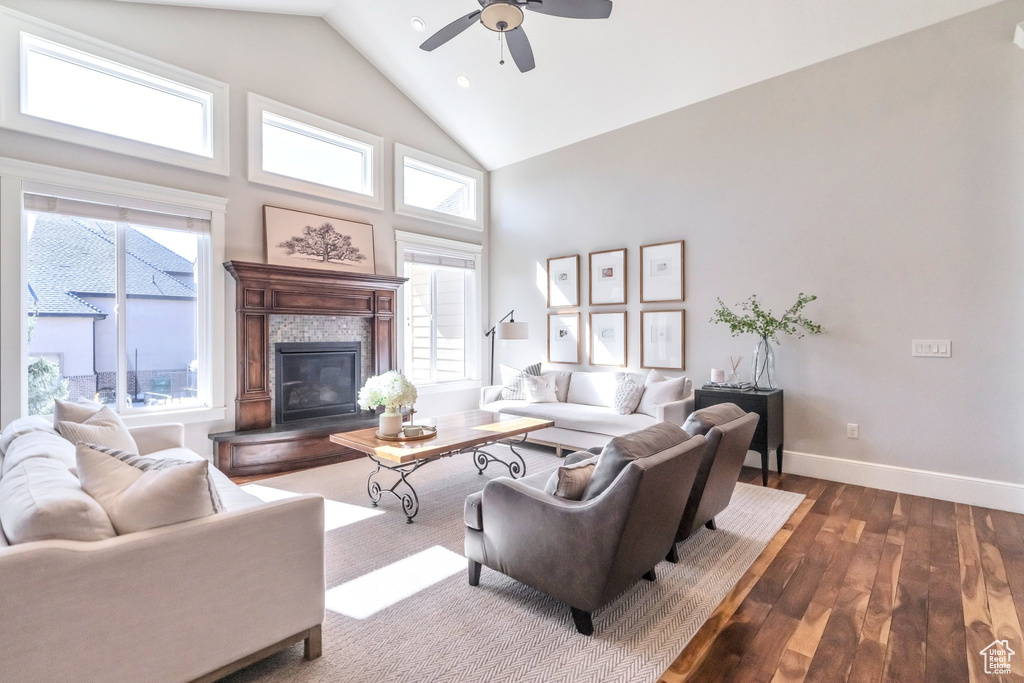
(711, 524)
(313, 646)
(651, 575)
(474, 573)
(673, 554)
(584, 624)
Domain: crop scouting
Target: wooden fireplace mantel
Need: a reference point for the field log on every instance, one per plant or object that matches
(264, 290)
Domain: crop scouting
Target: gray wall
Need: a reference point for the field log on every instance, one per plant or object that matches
(301, 61)
(889, 182)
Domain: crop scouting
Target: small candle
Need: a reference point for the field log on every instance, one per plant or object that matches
(717, 375)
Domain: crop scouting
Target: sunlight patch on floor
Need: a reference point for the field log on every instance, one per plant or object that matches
(370, 593)
(336, 514)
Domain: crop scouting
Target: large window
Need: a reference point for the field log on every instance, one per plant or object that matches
(66, 86)
(430, 187)
(440, 332)
(117, 301)
(296, 150)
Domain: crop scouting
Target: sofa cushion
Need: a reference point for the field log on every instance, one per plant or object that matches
(141, 492)
(22, 426)
(629, 387)
(40, 444)
(592, 389)
(623, 450)
(562, 378)
(701, 421)
(512, 380)
(69, 411)
(540, 389)
(41, 500)
(594, 419)
(659, 389)
(103, 428)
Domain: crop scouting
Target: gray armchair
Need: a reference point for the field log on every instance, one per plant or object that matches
(729, 431)
(584, 553)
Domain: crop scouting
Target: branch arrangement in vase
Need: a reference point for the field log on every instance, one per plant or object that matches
(760, 321)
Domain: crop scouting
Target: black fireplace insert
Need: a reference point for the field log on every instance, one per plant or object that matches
(316, 379)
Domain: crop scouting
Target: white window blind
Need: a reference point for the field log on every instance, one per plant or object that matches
(464, 261)
(105, 208)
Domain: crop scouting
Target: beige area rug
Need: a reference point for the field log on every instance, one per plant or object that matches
(400, 608)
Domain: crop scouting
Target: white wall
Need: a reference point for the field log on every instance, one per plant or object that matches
(297, 60)
(889, 182)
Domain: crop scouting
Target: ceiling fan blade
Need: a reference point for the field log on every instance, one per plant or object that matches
(450, 31)
(572, 9)
(519, 48)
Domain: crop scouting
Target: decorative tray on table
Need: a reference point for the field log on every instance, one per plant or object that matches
(410, 433)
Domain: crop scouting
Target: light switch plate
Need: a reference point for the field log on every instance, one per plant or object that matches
(932, 348)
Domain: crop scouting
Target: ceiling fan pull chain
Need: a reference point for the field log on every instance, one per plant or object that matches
(501, 47)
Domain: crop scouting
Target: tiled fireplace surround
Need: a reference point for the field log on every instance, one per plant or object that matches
(319, 328)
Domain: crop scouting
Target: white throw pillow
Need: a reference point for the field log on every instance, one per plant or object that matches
(629, 387)
(659, 390)
(104, 428)
(40, 500)
(561, 383)
(512, 380)
(140, 493)
(66, 411)
(540, 389)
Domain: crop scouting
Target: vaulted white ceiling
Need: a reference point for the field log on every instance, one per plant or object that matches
(593, 76)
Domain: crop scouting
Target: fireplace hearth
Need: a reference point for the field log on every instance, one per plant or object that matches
(316, 379)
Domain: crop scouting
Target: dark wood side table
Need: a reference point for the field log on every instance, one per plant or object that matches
(767, 404)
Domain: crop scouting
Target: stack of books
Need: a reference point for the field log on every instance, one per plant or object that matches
(737, 386)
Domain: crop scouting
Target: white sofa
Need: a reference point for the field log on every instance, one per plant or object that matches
(585, 418)
(190, 601)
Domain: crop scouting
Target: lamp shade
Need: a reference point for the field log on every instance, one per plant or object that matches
(513, 330)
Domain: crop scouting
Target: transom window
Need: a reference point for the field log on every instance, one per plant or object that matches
(434, 188)
(300, 151)
(66, 86)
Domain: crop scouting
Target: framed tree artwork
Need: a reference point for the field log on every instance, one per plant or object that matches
(564, 338)
(662, 339)
(564, 281)
(661, 274)
(608, 339)
(608, 277)
(310, 240)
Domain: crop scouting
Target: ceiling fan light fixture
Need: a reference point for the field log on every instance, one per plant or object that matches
(501, 17)
(418, 24)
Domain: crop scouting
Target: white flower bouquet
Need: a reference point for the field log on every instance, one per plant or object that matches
(391, 390)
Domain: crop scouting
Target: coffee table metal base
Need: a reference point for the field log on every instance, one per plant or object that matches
(406, 494)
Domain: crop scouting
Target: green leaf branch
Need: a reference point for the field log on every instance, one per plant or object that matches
(759, 321)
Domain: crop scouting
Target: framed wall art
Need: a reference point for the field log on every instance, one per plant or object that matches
(608, 277)
(310, 240)
(661, 272)
(564, 338)
(662, 339)
(564, 281)
(608, 339)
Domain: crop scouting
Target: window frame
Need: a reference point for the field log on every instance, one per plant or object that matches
(15, 27)
(257, 104)
(18, 178)
(411, 241)
(404, 151)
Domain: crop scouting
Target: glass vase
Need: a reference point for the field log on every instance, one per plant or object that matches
(763, 368)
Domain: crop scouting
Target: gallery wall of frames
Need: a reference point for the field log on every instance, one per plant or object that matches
(605, 333)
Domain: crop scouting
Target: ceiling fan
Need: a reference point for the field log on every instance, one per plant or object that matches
(505, 17)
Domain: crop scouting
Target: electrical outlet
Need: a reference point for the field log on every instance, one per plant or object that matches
(852, 431)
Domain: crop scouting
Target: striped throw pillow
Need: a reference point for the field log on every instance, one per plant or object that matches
(512, 381)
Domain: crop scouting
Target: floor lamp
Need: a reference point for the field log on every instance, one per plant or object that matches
(506, 330)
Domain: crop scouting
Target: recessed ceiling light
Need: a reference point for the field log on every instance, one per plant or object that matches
(463, 81)
(418, 24)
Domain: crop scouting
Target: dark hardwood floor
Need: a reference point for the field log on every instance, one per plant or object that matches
(868, 585)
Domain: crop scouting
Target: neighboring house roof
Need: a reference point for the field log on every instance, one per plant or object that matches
(71, 258)
(454, 204)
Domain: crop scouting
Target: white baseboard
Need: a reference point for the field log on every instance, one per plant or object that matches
(953, 487)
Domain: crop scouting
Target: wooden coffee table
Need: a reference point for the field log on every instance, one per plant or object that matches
(470, 432)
